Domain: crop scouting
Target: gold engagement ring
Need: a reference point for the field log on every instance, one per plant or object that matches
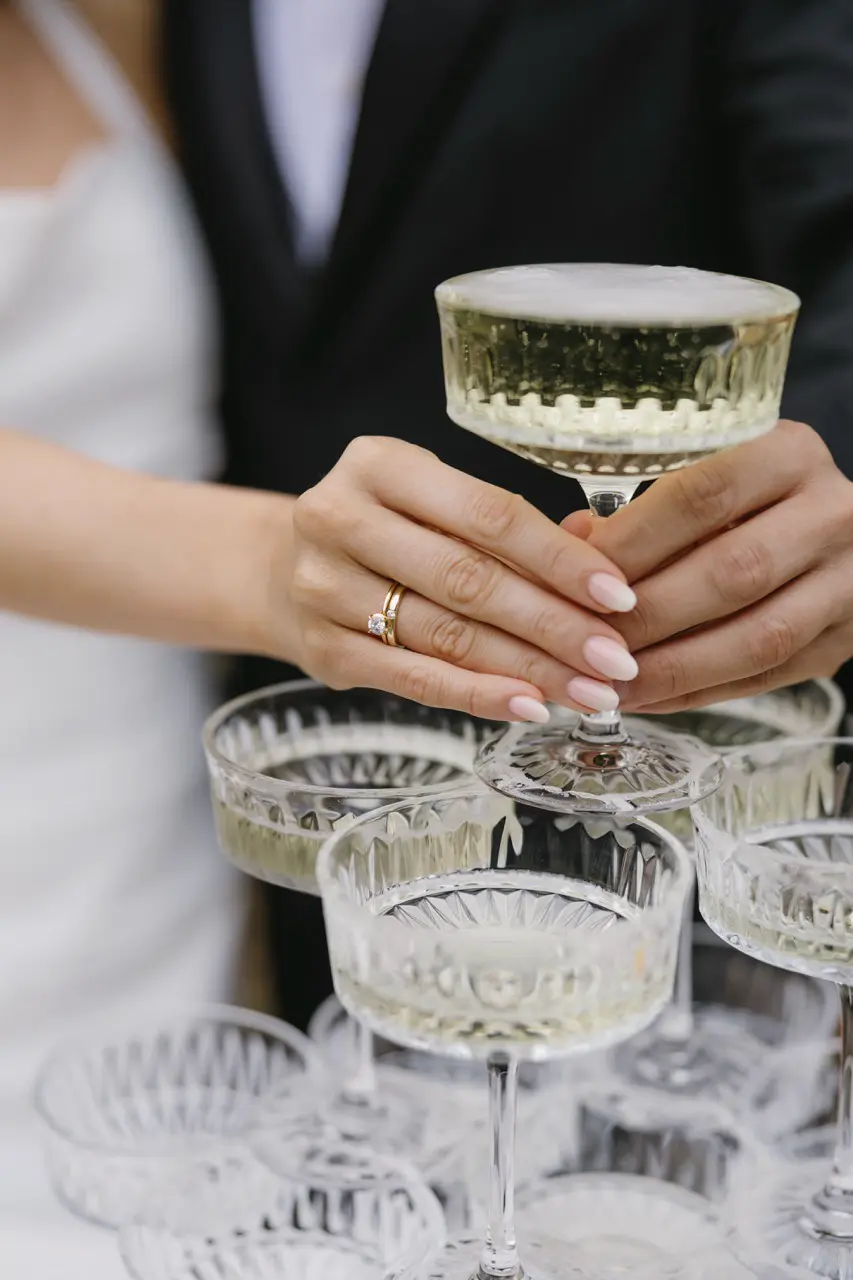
(384, 625)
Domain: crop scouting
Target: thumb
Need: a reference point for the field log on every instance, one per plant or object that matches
(578, 524)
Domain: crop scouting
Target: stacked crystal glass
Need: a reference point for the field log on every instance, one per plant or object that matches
(511, 902)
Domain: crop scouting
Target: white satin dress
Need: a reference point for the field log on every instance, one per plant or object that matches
(114, 902)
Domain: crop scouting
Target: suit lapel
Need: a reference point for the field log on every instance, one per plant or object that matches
(425, 56)
(215, 84)
(426, 53)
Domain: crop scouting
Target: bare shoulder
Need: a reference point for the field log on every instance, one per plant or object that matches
(130, 29)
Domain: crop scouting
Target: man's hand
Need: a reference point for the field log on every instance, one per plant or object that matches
(743, 565)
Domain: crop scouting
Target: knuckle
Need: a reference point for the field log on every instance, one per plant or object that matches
(420, 684)
(551, 630)
(807, 445)
(318, 513)
(773, 643)
(364, 453)
(641, 626)
(493, 514)
(703, 494)
(312, 585)
(451, 638)
(536, 670)
(562, 561)
(471, 703)
(666, 672)
(468, 577)
(743, 572)
(764, 681)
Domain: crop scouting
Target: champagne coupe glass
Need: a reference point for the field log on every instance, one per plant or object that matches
(476, 927)
(291, 764)
(611, 375)
(775, 858)
(696, 1060)
(121, 1113)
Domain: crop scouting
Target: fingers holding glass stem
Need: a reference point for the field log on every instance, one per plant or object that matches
(502, 609)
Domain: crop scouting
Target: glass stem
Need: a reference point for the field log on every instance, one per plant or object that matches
(603, 726)
(499, 1260)
(834, 1204)
(361, 1090)
(676, 1025)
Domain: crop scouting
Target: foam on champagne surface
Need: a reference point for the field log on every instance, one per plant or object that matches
(605, 293)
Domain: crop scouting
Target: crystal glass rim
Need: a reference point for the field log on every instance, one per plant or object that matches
(332, 893)
(395, 1174)
(407, 1267)
(837, 705)
(387, 1172)
(265, 1249)
(767, 753)
(389, 1167)
(789, 302)
(244, 1019)
(261, 784)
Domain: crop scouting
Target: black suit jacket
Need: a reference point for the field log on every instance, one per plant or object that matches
(713, 133)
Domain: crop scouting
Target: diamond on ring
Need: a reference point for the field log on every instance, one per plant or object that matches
(383, 626)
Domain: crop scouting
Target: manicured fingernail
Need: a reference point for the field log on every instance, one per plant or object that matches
(589, 693)
(610, 658)
(529, 709)
(611, 592)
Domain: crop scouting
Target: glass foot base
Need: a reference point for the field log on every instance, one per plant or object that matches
(651, 772)
(601, 1227)
(786, 1223)
(698, 1151)
(542, 1260)
(403, 1122)
(712, 1066)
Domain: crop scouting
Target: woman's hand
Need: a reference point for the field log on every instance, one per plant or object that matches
(501, 608)
(743, 567)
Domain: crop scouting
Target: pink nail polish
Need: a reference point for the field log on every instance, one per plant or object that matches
(524, 708)
(610, 658)
(592, 694)
(612, 592)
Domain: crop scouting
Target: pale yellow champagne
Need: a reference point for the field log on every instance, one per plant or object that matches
(333, 773)
(502, 981)
(282, 856)
(796, 918)
(596, 370)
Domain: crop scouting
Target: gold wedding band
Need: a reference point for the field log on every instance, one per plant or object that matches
(384, 625)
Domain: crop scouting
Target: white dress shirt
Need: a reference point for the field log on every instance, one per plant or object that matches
(313, 56)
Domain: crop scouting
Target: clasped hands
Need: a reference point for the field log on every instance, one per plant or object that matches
(727, 578)
(743, 569)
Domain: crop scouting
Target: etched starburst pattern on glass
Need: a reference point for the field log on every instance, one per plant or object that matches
(601, 369)
(481, 925)
(290, 764)
(612, 374)
(473, 926)
(119, 1115)
(338, 1212)
(677, 1094)
(775, 848)
(811, 709)
(775, 854)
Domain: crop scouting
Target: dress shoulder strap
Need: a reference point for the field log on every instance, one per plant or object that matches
(89, 66)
